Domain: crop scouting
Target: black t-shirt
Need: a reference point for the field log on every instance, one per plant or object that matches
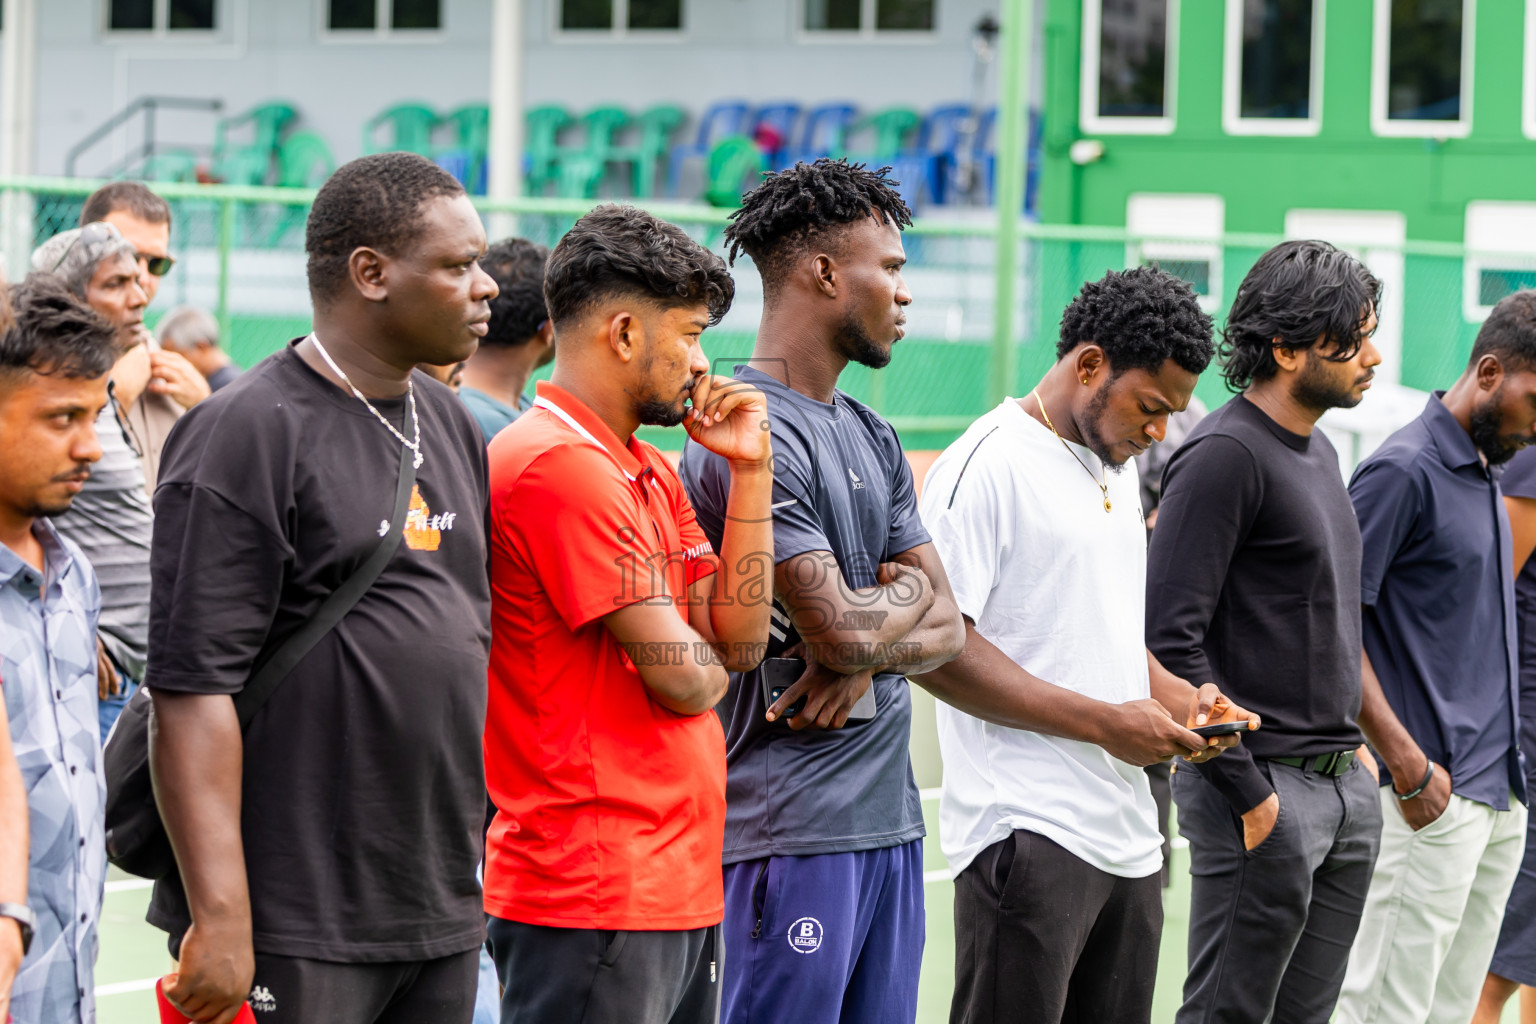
(364, 785)
(1253, 583)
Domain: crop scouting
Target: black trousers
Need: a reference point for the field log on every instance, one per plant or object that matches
(587, 976)
(293, 990)
(1270, 928)
(1044, 937)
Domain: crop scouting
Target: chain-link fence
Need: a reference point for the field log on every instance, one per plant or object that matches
(240, 254)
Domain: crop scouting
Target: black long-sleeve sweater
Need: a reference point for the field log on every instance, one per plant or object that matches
(1253, 583)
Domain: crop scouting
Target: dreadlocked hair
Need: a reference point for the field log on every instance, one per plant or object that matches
(805, 206)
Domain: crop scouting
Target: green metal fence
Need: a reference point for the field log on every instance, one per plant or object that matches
(240, 253)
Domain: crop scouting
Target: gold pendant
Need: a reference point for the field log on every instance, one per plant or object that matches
(1107, 505)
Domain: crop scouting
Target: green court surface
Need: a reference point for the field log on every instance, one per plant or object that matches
(133, 953)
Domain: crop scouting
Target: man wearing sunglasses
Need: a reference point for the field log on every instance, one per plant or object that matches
(175, 385)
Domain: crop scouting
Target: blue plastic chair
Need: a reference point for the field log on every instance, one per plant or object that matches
(822, 135)
(781, 117)
(939, 139)
(727, 117)
(986, 157)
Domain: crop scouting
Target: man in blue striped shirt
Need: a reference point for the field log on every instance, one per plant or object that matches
(54, 361)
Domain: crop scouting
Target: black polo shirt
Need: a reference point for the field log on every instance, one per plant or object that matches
(1437, 584)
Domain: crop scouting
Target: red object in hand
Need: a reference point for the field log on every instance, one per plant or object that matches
(170, 1015)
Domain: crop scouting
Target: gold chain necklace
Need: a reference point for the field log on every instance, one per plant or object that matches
(1103, 486)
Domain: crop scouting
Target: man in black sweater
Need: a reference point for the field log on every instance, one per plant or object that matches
(1253, 583)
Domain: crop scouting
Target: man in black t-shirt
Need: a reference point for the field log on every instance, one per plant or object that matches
(1253, 583)
(327, 856)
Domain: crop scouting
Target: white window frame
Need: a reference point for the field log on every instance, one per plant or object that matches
(1381, 34)
(160, 25)
(1088, 99)
(1528, 73)
(381, 31)
(620, 32)
(866, 32)
(1170, 233)
(1232, 120)
(1499, 235)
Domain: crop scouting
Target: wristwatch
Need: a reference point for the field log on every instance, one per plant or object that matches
(23, 916)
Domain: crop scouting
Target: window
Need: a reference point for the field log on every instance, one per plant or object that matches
(1501, 255)
(867, 17)
(1129, 51)
(381, 17)
(161, 16)
(1182, 235)
(1272, 72)
(1421, 68)
(620, 16)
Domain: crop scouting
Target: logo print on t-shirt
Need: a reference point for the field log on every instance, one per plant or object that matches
(858, 484)
(423, 530)
(805, 935)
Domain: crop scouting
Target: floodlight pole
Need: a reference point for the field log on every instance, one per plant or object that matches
(1014, 43)
(504, 172)
(18, 50)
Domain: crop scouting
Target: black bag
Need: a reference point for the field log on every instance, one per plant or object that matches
(136, 837)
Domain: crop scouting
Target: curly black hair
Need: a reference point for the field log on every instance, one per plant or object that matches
(1509, 332)
(1141, 318)
(374, 201)
(804, 206)
(517, 267)
(52, 332)
(622, 250)
(1299, 292)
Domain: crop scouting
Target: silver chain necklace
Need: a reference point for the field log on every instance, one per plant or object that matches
(410, 396)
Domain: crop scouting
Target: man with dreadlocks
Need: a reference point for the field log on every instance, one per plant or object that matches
(823, 860)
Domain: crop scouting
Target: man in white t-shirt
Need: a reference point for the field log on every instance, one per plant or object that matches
(1055, 704)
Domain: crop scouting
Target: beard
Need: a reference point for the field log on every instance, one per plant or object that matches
(654, 412)
(1485, 433)
(1093, 434)
(1315, 389)
(854, 344)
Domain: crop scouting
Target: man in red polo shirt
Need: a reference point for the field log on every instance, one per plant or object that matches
(614, 624)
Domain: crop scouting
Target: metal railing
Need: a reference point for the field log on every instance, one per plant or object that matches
(240, 254)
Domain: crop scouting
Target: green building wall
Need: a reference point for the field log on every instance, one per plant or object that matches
(1343, 167)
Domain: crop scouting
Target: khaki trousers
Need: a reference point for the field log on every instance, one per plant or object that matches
(1432, 915)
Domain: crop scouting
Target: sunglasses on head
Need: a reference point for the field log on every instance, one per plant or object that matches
(93, 233)
(157, 265)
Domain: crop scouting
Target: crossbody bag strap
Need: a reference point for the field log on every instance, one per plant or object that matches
(335, 607)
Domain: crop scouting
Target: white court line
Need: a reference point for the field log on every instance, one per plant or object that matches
(941, 875)
(931, 793)
(118, 988)
(129, 884)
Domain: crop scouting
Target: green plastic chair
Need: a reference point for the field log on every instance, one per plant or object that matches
(731, 161)
(598, 148)
(176, 165)
(250, 163)
(303, 161)
(471, 125)
(411, 129)
(577, 176)
(540, 149)
(893, 128)
(655, 128)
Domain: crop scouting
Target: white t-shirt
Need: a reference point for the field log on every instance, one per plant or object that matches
(1059, 586)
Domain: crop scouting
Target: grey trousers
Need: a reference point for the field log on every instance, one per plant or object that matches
(1270, 929)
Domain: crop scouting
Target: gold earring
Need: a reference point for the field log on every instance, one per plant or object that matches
(1085, 382)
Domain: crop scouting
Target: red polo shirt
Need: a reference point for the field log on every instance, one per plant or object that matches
(611, 808)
